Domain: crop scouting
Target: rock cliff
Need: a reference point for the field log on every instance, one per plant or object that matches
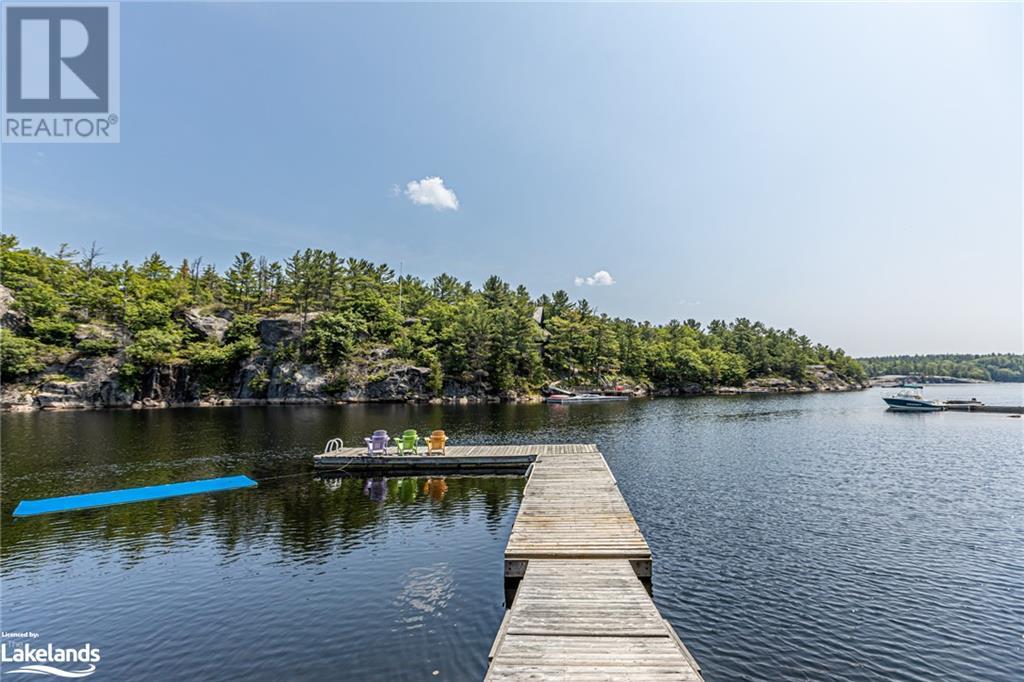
(270, 375)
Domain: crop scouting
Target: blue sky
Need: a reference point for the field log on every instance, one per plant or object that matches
(850, 170)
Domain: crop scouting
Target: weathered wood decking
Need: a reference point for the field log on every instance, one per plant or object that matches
(572, 508)
(581, 610)
(456, 458)
(586, 619)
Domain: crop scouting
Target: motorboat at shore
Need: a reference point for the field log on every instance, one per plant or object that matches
(557, 395)
(563, 398)
(911, 400)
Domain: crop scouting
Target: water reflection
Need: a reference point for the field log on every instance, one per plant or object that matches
(307, 516)
(373, 565)
(436, 488)
(404, 490)
(376, 489)
(426, 589)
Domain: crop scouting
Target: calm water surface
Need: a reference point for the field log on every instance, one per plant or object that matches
(795, 537)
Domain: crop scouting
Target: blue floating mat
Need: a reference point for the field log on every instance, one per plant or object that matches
(152, 492)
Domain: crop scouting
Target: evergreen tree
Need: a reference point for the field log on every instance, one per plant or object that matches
(242, 284)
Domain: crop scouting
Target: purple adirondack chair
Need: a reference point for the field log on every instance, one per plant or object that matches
(377, 444)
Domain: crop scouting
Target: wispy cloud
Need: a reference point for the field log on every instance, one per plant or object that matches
(601, 278)
(432, 192)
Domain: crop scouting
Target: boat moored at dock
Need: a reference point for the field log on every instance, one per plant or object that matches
(911, 401)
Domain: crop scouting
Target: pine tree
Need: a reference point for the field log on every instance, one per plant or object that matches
(241, 284)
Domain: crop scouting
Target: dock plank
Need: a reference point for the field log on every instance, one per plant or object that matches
(586, 619)
(580, 611)
(572, 507)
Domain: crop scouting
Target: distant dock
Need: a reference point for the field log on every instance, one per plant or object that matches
(576, 562)
(967, 406)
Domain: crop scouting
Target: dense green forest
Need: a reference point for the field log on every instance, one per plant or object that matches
(991, 367)
(496, 333)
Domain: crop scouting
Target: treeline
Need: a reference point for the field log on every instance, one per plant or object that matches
(496, 334)
(990, 367)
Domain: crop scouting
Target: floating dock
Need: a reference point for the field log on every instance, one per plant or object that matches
(457, 458)
(577, 567)
(107, 498)
(966, 406)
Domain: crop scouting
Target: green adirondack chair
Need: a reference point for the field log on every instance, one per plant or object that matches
(408, 442)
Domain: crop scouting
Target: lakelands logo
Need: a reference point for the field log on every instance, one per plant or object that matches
(40, 660)
(61, 72)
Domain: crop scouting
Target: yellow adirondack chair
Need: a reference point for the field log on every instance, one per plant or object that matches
(436, 442)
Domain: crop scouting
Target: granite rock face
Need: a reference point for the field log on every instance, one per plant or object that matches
(85, 383)
(95, 332)
(209, 327)
(275, 331)
(167, 386)
(252, 379)
(401, 382)
(295, 382)
(11, 319)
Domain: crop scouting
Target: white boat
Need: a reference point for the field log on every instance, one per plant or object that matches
(911, 401)
(560, 398)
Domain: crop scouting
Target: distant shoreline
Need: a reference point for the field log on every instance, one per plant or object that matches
(893, 380)
(947, 368)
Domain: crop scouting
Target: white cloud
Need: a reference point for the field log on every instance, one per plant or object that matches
(432, 192)
(601, 278)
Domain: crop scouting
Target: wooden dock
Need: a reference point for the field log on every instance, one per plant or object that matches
(457, 458)
(577, 567)
(586, 619)
(981, 407)
(582, 608)
(572, 509)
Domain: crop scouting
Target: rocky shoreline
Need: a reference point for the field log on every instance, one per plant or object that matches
(272, 373)
(93, 384)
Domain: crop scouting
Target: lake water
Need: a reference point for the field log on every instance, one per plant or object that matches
(795, 537)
